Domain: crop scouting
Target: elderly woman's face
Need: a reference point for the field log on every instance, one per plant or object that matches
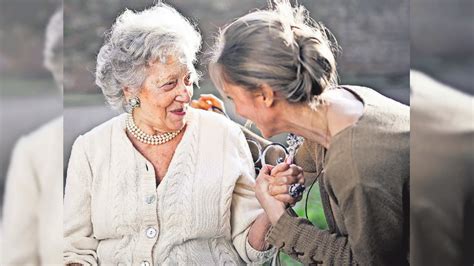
(165, 96)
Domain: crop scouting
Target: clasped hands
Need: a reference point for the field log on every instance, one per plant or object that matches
(272, 188)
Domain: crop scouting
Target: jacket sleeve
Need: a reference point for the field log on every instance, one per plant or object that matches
(80, 244)
(245, 207)
(303, 241)
(371, 233)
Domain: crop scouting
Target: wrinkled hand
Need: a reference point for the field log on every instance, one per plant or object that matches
(272, 206)
(272, 188)
(284, 175)
(207, 102)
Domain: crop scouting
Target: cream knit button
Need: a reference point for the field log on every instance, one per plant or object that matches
(151, 232)
(150, 199)
(145, 263)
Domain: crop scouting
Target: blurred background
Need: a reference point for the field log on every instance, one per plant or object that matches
(442, 41)
(29, 98)
(442, 132)
(28, 95)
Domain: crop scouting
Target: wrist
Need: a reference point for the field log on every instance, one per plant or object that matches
(275, 213)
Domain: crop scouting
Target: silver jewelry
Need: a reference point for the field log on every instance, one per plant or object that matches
(294, 142)
(296, 190)
(147, 138)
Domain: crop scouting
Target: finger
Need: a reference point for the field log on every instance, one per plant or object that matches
(293, 170)
(194, 104)
(301, 179)
(200, 104)
(267, 172)
(277, 190)
(280, 168)
(266, 169)
(262, 180)
(212, 100)
(208, 96)
(286, 199)
(282, 180)
(205, 105)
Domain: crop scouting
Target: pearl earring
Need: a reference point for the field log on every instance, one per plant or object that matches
(133, 103)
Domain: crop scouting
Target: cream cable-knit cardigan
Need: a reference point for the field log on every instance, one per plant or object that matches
(200, 214)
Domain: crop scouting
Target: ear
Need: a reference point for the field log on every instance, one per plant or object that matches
(127, 92)
(268, 95)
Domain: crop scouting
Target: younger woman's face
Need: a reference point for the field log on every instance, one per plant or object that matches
(250, 105)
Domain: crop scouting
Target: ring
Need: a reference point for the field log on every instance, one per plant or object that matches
(296, 190)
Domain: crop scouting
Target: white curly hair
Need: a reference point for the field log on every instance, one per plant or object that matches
(139, 38)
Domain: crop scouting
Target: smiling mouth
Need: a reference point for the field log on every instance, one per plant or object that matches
(179, 111)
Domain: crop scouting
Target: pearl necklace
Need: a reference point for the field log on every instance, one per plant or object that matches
(147, 138)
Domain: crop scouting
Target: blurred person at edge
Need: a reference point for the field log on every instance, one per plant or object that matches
(32, 212)
(442, 180)
(442, 132)
(162, 183)
(358, 139)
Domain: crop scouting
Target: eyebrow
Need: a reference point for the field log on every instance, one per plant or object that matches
(169, 77)
(162, 81)
(182, 71)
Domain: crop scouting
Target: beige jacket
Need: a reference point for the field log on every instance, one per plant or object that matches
(200, 214)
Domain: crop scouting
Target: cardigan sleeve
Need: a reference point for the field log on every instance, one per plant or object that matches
(80, 244)
(245, 207)
(19, 210)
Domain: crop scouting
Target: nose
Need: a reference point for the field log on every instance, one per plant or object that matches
(184, 93)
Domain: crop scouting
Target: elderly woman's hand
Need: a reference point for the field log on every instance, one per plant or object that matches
(283, 176)
(209, 102)
(272, 188)
(272, 206)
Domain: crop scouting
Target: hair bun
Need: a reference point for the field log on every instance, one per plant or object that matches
(314, 71)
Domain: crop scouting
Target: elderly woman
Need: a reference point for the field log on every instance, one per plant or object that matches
(279, 69)
(165, 183)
